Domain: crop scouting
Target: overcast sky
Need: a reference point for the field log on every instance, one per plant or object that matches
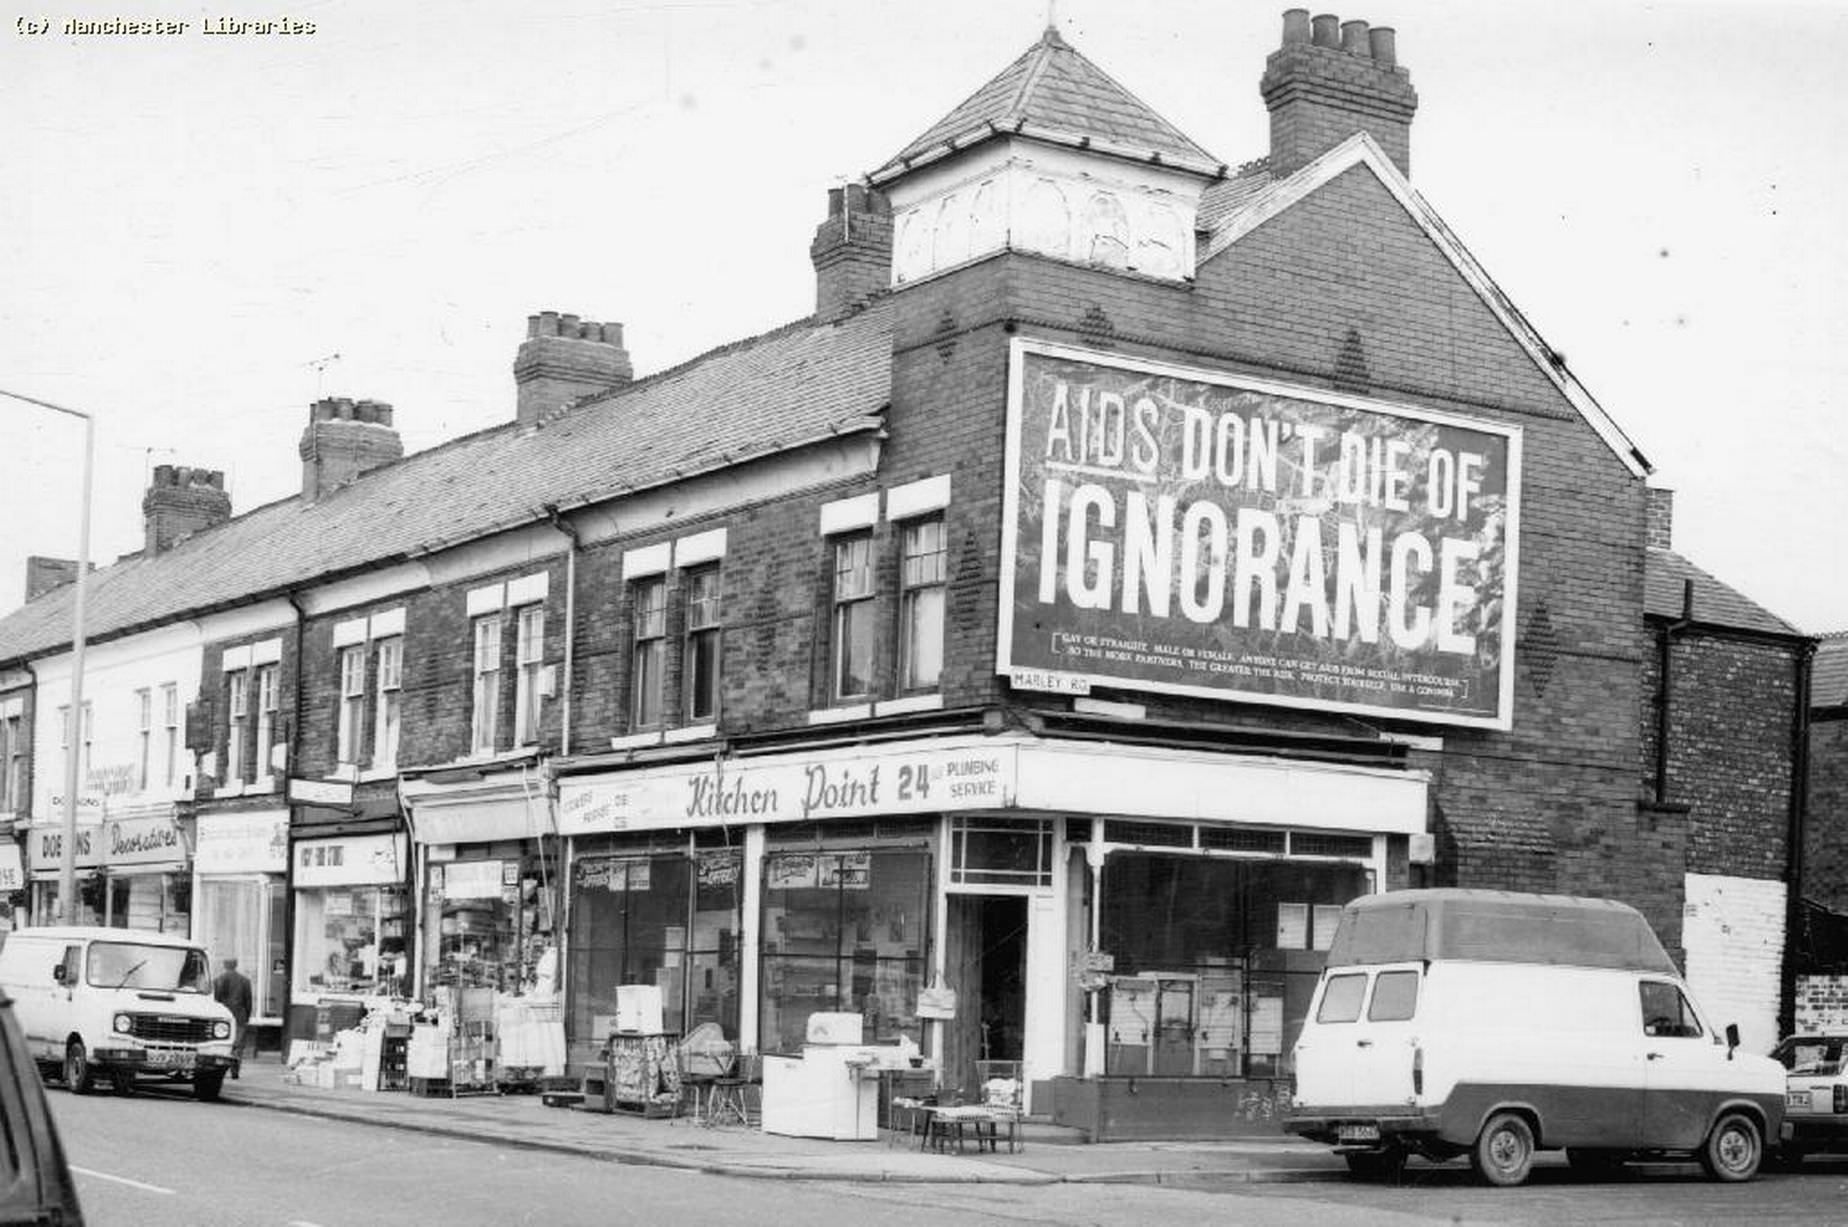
(200, 234)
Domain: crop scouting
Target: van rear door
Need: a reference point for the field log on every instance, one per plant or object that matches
(1384, 1042)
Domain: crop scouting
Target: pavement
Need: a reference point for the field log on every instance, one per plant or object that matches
(1048, 1154)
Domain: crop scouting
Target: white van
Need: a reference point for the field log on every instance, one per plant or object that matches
(1493, 1024)
(120, 1003)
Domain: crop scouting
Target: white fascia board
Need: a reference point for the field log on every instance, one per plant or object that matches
(248, 620)
(1154, 782)
(379, 585)
(1361, 150)
(175, 641)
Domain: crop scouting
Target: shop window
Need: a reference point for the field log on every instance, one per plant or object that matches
(233, 918)
(1353, 847)
(352, 712)
(1148, 834)
(385, 724)
(648, 607)
(1242, 839)
(492, 918)
(485, 716)
(995, 852)
(149, 902)
(350, 939)
(529, 658)
(921, 602)
(266, 718)
(853, 618)
(144, 736)
(170, 734)
(667, 919)
(237, 732)
(701, 665)
(843, 931)
(1216, 958)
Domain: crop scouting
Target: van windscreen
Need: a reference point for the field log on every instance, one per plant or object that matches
(167, 969)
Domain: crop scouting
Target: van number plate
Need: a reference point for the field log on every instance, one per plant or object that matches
(171, 1060)
(1358, 1133)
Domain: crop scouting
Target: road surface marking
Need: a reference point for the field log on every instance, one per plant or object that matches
(85, 1171)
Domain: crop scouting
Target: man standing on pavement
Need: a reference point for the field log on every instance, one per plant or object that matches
(232, 990)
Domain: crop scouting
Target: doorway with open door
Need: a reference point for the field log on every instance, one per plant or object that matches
(986, 958)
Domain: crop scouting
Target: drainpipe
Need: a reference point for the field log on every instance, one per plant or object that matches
(564, 711)
(1794, 836)
(288, 877)
(1664, 667)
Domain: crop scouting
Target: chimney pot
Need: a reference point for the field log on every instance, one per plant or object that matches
(568, 325)
(564, 359)
(532, 325)
(1354, 38)
(1384, 45)
(837, 203)
(548, 323)
(1295, 26)
(1326, 30)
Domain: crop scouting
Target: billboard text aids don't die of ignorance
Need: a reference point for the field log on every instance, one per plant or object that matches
(1189, 532)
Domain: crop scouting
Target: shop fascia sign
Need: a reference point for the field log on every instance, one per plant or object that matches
(1190, 532)
(845, 784)
(357, 860)
(115, 842)
(243, 843)
(12, 871)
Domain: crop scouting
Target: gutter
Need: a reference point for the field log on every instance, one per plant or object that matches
(1665, 689)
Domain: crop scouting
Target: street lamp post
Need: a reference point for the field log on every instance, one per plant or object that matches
(67, 874)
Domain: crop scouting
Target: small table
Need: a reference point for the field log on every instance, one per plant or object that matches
(961, 1125)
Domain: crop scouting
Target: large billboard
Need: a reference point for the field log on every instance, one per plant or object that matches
(1190, 532)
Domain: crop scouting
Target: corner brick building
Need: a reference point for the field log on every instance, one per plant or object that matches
(1132, 560)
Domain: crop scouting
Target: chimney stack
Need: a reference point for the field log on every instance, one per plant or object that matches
(344, 439)
(564, 359)
(1329, 80)
(46, 574)
(1659, 521)
(181, 501)
(852, 251)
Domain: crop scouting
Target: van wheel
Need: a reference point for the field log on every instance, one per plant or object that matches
(206, 1086)
(79, 1074)
(1386, 1164)
(1597, 1164)
(1504, 1150)
(1734, 1149)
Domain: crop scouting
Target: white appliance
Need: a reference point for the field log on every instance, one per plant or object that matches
(830, 1091)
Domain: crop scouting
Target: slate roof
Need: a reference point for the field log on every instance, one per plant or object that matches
(1665, 577)
(1829, 673)
(1059, 94)
(795, 385)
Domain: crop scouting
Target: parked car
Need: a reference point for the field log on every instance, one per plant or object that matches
(1816, 1094)
(35, 1180)
(118, 1004)
(1494, 1025)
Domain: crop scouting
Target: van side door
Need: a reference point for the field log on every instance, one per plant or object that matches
(1682, 1067)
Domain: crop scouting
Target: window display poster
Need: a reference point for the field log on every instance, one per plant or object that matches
(849, 870)
(1326, 917)
(792, 871)
(718, 869)
(1292, 926)
(1267, 1025)
(339, 903)
(472, 880)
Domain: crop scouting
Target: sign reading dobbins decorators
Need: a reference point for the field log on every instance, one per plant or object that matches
(1188, 532)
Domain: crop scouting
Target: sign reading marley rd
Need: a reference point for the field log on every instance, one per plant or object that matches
(1195, 533)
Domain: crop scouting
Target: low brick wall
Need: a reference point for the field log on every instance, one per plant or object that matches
(1121, 1109)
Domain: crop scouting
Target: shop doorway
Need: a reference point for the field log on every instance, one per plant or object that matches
(987, 949)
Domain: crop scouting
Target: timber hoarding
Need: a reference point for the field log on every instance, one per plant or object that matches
(1191, 532)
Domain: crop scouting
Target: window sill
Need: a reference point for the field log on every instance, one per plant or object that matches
(839, 715)
(378, 773)
(692, 732)
(635, 741)
(230, 788)
(909, 703)
(349, 772)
